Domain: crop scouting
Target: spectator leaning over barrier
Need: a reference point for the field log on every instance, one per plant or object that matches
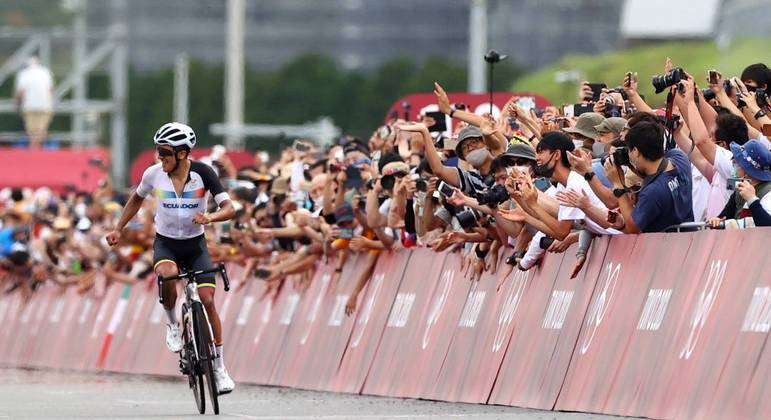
(552, 158)
(752, 187)
(665, 196)
(34, 97)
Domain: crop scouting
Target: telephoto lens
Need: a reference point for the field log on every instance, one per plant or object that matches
(662, 82)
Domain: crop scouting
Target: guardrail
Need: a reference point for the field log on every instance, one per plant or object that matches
(656, 325)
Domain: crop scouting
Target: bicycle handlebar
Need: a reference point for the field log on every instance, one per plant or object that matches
(192, 275)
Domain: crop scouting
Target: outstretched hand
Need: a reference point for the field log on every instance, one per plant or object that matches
(441, 98)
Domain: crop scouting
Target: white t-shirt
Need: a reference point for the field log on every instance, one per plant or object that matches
(577, 183)
(719, 194)
(701, 192)
(36, 83)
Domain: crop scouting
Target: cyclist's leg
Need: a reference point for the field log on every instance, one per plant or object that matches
(164, 264)
(206, 287)
(168, 268)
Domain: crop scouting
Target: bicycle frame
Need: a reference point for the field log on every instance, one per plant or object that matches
(191, 293)
(196, 353)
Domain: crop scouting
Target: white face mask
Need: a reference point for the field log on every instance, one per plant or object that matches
(477, 157)
(578, 143)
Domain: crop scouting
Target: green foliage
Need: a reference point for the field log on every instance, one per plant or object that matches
(696, 57)
(304, 89)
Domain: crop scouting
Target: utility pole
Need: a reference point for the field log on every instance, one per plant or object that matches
(181, 72)
(477, 46)
(119, 87)
(79, 52)
(234, 74)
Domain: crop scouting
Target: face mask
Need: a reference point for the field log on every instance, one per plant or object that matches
(544, 170)
(598, 150)
(578, 143)
(477, 157)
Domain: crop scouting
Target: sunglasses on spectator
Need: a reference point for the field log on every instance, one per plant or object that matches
(163, 152)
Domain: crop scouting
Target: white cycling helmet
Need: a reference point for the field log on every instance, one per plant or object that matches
(175, 135)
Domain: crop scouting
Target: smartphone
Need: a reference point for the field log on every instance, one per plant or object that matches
(732, 182)
(261, 273)
(712, 76)
(567, 110)
(579, 109)
(766, 130)
(440, 123)
(353, 178)
(445, 189)
(345, 233)
(596, 90)
(628, 79)
(301, 146)
(526, 102)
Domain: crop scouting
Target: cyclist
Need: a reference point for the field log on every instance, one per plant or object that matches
(181, 188)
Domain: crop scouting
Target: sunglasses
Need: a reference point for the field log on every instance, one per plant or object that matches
(163, 152)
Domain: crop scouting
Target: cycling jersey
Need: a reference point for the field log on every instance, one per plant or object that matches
(174, 214)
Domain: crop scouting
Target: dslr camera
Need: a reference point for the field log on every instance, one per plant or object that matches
(621, 157)
(467, 218)
(662, 81)
(493, 196)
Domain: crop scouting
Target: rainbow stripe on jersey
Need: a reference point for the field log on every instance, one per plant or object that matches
(162, 194)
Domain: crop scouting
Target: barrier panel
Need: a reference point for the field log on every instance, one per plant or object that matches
(389, 373)
(655, 325)
(332, 330)
(545, 333)
(373, 308)
(288, 369)
(240, 336)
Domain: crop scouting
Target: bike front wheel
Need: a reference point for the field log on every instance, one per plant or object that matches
(206, 353)
(190, 356)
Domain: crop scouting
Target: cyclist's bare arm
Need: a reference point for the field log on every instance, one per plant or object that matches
(225, 212)
(129, 211)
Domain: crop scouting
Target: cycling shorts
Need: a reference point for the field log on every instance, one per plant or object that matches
(188, 254)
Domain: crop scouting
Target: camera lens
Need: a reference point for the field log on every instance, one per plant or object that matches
(421, 184)
(662, 82)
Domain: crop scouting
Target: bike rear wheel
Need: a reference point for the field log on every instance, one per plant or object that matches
(206, 353)
(194, 374)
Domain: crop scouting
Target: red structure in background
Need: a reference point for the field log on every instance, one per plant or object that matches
(56, 169)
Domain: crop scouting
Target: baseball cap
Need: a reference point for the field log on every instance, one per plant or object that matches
(612, 124)
(468, 132)
(754, 158)
(395, 168)
(519, 150)
(585, 125)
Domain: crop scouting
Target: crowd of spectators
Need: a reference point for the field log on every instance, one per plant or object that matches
(500, 190)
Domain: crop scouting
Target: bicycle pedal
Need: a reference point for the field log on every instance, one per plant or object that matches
(183, 367)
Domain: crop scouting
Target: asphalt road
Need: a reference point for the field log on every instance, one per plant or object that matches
(42, 394)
